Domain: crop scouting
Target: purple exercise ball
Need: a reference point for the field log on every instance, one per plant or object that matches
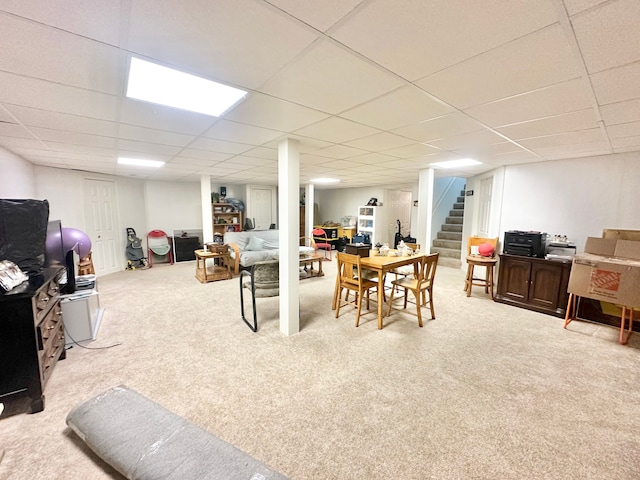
(74, 239)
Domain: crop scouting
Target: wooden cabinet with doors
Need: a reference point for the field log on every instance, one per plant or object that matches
(534, 283)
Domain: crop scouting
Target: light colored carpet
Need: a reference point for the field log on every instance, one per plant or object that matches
(485, 391)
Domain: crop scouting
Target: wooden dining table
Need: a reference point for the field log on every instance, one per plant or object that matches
(383, 264)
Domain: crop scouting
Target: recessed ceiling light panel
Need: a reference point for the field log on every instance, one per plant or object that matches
(154, 83)
(463, 162)
(138, 162)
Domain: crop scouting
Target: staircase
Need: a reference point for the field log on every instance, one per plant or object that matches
(449, 240)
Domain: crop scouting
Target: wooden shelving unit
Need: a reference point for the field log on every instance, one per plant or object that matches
(225, 219)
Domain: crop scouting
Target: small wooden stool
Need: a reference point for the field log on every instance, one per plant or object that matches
(85, 266)
(479, 261)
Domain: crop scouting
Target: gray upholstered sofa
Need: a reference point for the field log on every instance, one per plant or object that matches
(251, 246)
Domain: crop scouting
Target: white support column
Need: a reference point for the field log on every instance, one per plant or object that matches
(205, 200)
(289, 215)
(425, 209)
(309, 194)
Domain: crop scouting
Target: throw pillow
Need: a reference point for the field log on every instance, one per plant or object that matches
(255, 244)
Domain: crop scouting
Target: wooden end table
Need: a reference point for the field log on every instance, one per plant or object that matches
(221, 271)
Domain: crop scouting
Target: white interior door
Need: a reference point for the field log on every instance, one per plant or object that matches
(101, 220)
(262, 204)
(484, 207)
(398, 206)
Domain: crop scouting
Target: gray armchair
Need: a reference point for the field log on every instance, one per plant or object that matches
(263, 281)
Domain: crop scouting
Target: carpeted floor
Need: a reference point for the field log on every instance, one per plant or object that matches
(485, 391)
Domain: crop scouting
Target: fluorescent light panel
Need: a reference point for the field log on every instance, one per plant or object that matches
(138, 162)
(154, 83)
(463, 162)
(324, 180)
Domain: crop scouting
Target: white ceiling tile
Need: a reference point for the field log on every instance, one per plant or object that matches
(89, 18)
(562, 98)
(41, 94)
(330, 79)
(321, 18)
(568, 122)
(150, 148)
(339, 151)
(624, 130)
(401, 107)
(196, 162)
(455, 123)
(150, 135)
(240, 133)
(617, 84)
(210, 144)
(14, 130)
(62, 121)
(631, 143)
(192, 38)
(412, 150)
(373, 158)
(214, 156)
(575, 151)
(581, 137)
(47, 134)
(441, 33)
(269, 112)
(577, 6)
(479, 139)
(252, 161)
(262, 152)
(608, 35)
(621, 112)
(144, 114)
(13, 143)
(537, 60)
(380, 141)
(336, 130)
(42, 52)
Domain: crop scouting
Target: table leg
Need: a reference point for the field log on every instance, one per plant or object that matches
(571, 307)
(380, 297)
(320, 272)
(624, 339)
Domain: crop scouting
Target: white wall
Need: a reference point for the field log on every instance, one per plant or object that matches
(577, 197)
(17, 177)
(173, 206)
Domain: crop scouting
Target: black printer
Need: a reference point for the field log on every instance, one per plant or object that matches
(525, 243)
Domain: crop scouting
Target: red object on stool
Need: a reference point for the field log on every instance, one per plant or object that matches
(486, 250)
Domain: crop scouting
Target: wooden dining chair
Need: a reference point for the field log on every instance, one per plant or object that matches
(420, 285)
(406, 270)
(350, 279)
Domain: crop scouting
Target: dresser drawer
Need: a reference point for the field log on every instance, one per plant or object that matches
(53, 348)
(45, 331)
(45, 298)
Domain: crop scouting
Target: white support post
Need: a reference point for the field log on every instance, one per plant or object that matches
(205, 200)
(289, 215)
(425, 209)
(309, 207)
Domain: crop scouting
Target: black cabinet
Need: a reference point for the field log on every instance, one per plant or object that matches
(534, 283)
(185, 248)
(31, 339)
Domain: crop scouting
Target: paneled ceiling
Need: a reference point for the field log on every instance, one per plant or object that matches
(373, 90)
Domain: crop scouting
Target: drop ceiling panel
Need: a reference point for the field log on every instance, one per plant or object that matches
(330, 79)
(621, 112)
(321, 18)
(339, 151)
(373, 158)
(584, 136)
(577, 6)
(192, 38)
(569, 122)
(441, 33)
(269, 112)
(562, 98)
(537, 60)
(617, 84)
(624, 130)
(380, 141)
(455, 123)
(13, 143)
(46, 134)
(575, 150)
(14, 130)
(401, 107)
(159, 117)
(626, 142)
(41, 94)
(150, 149)
(412, 150)
(60, 57)
(150, 135)
(261, 152)
(336, 130)
(61, 121)
(213, 145)
(90, 18)
(208, 155)
(608, 35)
(240, 133)
(481, 138)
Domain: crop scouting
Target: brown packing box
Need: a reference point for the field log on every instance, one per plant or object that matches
(609, 271)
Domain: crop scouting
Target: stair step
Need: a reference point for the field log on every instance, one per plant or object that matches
(446, 252)
(451, 228)
(458, 206)
(456, 213)
(454, 220)
(453, 244)
(460, 199)
(450, 236)
(449, 262)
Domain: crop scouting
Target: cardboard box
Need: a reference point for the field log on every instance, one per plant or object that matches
(609, 271)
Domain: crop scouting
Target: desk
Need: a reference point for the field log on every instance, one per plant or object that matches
(382, 265)
(216, 272)
(316, 257)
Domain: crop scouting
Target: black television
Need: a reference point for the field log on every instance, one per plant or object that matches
(55, 256)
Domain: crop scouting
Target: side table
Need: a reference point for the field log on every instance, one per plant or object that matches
(214, 272)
